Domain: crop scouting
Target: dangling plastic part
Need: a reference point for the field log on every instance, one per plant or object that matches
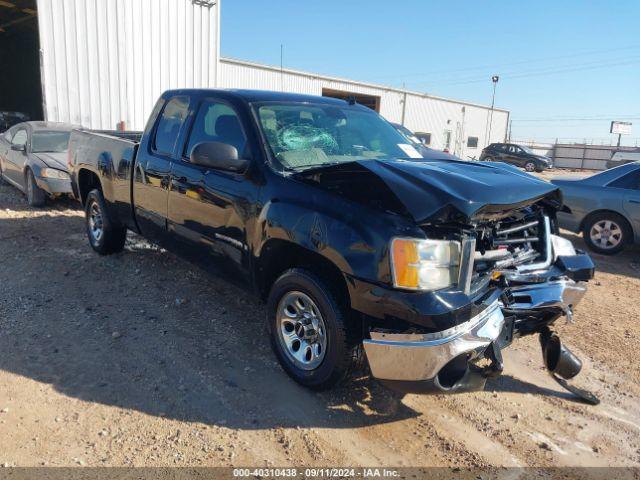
(563, 365)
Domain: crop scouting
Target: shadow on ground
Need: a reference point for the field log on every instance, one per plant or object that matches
(147, 331)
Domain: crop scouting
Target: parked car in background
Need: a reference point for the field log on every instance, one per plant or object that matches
(33, 158)
(604, 207)
(354, 240)
(9, 119)
(620, 158)
(518, 155)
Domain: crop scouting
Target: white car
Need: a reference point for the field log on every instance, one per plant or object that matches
(620, 158)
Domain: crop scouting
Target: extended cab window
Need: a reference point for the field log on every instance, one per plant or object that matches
(217, 122)
(170, 124)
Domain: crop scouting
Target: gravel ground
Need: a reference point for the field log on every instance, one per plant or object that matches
(142, 359)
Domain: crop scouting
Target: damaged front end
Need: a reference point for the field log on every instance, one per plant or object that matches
(526, 277)
(440, 325)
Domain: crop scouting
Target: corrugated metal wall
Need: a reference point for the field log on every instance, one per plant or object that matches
(423, 113)
(107, 61)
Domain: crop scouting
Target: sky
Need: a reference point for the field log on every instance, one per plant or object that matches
(567, 68)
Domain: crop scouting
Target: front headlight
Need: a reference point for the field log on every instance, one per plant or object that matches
(53, 173)
(562, 246)
(424, 264)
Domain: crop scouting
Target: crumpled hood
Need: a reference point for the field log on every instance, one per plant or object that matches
(444, 189)
(53, 160)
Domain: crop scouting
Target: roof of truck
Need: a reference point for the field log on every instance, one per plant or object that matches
(263, 96)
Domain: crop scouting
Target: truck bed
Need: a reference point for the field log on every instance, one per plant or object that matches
(110, 155)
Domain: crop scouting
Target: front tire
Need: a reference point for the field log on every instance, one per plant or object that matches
(606, 233)
(36, 197)
(310, 331)
(530, 167)
(104, 237)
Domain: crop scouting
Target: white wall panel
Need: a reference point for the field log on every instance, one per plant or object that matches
(107, 61)
(423, 113)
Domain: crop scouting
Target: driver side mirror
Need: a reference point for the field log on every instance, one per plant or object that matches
(19, 148)
(218, 156)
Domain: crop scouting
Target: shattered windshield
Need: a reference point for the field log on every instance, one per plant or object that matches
(303, 135)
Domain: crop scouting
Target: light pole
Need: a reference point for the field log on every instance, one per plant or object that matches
(494, 79)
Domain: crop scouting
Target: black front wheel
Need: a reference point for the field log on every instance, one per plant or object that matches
(36, 197)
(530, 166)
(310, 330)
(104, 237)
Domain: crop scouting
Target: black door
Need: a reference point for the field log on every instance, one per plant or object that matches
(208, 208)
(153, 168)
(512, 156)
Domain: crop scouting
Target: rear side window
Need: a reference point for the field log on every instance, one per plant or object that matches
(630, 181)
(20, 138)
(170, 124)
(217, 122)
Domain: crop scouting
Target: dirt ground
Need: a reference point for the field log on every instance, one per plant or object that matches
(142, 359)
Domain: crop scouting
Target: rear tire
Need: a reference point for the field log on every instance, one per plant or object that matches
(487, 159)
(104, 237)
(300, 302)
(606, 233)
(36, 197)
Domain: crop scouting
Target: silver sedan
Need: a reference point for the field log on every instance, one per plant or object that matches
(605, 207)
(33, 158)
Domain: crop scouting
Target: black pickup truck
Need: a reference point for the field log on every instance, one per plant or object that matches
(360, 246)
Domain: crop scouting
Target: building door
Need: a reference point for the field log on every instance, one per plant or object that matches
(446, 140)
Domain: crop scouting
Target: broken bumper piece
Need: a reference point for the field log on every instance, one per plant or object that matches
(437, 362)
(450, 360)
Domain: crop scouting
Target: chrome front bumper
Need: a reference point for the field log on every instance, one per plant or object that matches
(563, 294)
(420, 357)
(402, 359)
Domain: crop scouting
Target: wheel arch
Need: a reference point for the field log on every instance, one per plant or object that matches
(278, 255)
(87, 181)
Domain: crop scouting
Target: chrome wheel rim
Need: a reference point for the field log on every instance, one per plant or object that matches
(96, 225)
(301, 330)
(606, 234)
(529, 167)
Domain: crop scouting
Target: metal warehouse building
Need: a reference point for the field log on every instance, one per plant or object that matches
(98, 63)
(455, 125)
